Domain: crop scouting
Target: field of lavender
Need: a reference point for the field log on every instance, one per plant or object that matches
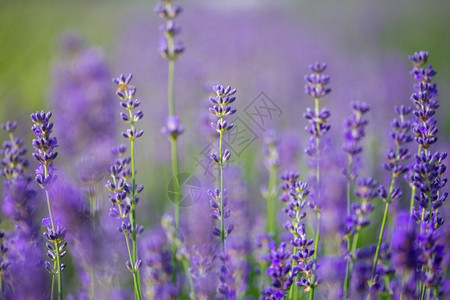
(235, 150)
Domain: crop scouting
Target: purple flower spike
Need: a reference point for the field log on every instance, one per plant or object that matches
(316, 83)
(44, 146)
(168, 48)
(424, 99)
(354, 132)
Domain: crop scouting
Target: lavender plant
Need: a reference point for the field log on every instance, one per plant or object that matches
(221, 108)
(122, 186)
(290, 269)
(247, 256)
(427, 178)
(354, 132)
(424, 99)
(171, 51)
(44, 154)
(316, 88)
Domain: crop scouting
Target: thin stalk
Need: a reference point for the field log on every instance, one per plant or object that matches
(175, 172)
(52, 290)
(222, 225)
(347, 280)
(191, 281)
(316, 245)
(92, 289)
(380, 240)
(316, 251)
(293, 286)
(423, 293)
(349, 203)
(355, 242)
(171, 90)
(58, 258)
(173, 146)
(133, 210)
(383, 224)
(271, 198)
(137, 292)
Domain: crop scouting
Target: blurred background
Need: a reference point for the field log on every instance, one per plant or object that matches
(61, 56)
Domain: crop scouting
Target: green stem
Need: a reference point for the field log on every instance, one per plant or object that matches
(222, 225)
(422, 297)
(191, 281)
(271, 198)
(173, 146)
(52, 290)
(349, 263)
(383, 224)
(137, 291)
(380, 240)
(316, 251)
(175, 172)
(137, 273)
(316, 245)
(58, 258)
(92, 290)
(347, 279)
(293, 286)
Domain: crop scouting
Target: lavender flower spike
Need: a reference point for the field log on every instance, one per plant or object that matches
(425, 105)
(168, 48)
(427, 176)
(221, 108)
(123, 187)
(316, 87)
(44, 154)
(171, 51)
(354, 132)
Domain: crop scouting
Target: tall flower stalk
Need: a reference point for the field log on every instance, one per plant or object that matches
(427, 177)
(171, 51)
(221, 108)
(354, 132)
(316, 88)
(123, 188)
(44, 154)
(396, 167)
(425, 92)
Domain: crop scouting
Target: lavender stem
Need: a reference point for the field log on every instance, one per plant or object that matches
(222, 227)
(137, 272)
(271, 198)
(316, 245)
(57, 265)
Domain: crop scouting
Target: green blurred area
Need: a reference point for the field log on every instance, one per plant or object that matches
(29, 33)
(29, 37)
